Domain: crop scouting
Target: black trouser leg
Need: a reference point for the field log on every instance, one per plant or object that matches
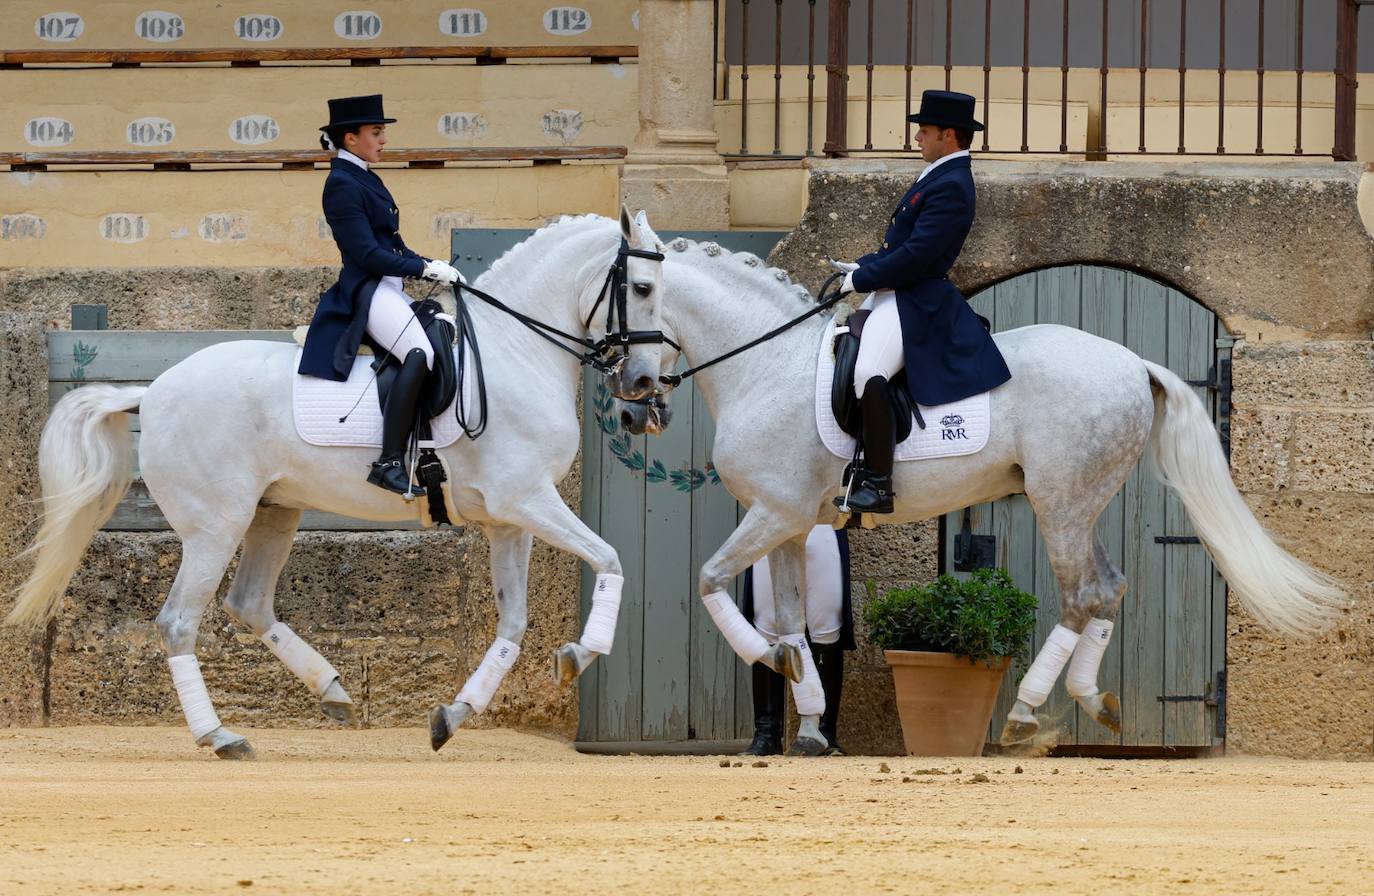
(872, 492)
(830, 666)
(389, 472)
(770, 712)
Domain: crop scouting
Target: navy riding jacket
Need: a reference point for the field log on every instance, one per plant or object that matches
(367, 227)
(949, 353)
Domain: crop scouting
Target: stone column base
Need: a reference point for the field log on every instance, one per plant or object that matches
(677, 196)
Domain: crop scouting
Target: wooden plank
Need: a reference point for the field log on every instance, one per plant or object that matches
(1104, 314)
(595, 403)
(133, 356)
(622, 524)
(1142, 613)
(668, 578)
(309, 54)
(138, 512)
(1188, 604)
(419, 157)
(713, 668)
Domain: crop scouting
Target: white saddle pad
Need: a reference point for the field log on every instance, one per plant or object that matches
(317, 405)
(953, 429)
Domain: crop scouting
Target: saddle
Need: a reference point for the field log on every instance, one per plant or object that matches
(846, 407)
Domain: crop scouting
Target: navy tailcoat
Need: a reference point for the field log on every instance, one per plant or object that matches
(949, 353)
(367, 227)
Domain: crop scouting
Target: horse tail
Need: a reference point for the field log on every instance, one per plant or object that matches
(1285, 594)
(85, 465)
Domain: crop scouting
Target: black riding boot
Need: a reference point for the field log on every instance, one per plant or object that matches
(872, 490)
(830, 666)
(389, 472)
(770, 710)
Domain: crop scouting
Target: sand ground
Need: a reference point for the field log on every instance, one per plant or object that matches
(374, 811)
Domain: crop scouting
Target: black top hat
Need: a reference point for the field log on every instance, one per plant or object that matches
(350, 111)
(947, 109)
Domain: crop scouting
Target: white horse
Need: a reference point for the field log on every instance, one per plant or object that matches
(769, 455)
(221, 456)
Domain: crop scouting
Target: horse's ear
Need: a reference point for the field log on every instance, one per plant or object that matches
(647, 232)
(626, 228)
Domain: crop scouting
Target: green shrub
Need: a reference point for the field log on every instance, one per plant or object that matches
(983, 618)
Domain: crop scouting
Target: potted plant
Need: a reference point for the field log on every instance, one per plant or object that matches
(949, 643)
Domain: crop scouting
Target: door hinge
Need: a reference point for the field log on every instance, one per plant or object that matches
(1215, 698)
(1177, 539)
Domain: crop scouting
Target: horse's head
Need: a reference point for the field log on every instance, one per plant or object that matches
(625, 311)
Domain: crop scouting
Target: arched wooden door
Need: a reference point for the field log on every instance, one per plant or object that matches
(1167, 659)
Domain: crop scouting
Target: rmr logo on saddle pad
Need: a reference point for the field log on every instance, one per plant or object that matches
(953, 428)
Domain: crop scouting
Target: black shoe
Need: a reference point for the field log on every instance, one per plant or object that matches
(390, 471)
(872, 489)
(769, 712)
(830, 666)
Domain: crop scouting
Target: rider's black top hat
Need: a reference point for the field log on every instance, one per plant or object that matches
(947, 109)
(351, 111)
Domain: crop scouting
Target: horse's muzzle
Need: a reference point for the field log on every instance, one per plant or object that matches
(649, 415)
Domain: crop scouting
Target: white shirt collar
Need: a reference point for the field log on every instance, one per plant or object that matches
(960, 154)
(348, 156)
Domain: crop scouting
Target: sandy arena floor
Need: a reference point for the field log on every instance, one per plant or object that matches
(139, 809)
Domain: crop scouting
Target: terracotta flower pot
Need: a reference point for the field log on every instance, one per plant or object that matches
(945, 702)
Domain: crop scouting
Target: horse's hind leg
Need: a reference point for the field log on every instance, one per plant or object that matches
(251, 601)
(204, 558)
(510, 566)
(1107, 590)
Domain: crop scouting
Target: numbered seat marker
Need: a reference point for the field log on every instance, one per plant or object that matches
(59, 27)
(462, 22)
(160, 27)
(48, 131)
(566, 21)
(358, 25)
(258, 28)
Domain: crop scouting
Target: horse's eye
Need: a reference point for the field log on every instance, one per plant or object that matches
(643, 289)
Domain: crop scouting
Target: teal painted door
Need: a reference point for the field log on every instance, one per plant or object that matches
(1169, 642)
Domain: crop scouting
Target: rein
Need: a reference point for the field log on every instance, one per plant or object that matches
(673, 380)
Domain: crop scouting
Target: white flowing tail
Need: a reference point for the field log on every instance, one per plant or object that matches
(85, 464)
(1283, 593)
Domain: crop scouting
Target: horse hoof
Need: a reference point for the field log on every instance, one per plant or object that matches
(787, 661)
(807, 746)
(236, 749)
(1017, 732)
(565, 669)
(439, 732)
(1110, 713)
(340, 712)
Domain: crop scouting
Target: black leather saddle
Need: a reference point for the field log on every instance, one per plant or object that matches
(441, 384)
(846, 407)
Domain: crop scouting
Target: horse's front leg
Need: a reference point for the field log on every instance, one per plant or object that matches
(510, 566)
(759, 532)
(787, 569)
(251, 601)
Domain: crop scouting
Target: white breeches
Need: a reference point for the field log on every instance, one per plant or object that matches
(824, 590)
(880, 351)
(392, 324)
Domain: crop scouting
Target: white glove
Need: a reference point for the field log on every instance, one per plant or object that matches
(846, 266)
(442, 271)
(848, 285)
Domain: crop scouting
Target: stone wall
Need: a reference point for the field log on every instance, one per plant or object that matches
(404, 616)
(1282, 256)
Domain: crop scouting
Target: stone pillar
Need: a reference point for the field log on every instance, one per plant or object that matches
(674, 170)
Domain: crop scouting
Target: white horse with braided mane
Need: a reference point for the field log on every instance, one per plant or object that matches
(769, 455)
(221, 455)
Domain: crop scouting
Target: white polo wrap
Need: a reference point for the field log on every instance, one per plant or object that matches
(478, 690)
(302, 659)
(599, 633)
(743, 637)
(1087, 658)
(1049, 662)
(195, 699)
(807, 693)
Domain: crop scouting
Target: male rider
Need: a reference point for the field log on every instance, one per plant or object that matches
(919, 318)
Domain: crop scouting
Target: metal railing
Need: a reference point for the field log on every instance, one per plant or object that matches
(1106, 61)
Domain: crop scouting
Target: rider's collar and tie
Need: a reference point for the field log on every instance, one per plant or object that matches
(349, 157)
(958, 154)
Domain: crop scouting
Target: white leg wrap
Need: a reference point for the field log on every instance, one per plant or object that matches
(300, 658)
(195, 699)
(478, 690)
(599, 633)
(1087, 658)
(807, 693)
(743, 637)
(1049, 662)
